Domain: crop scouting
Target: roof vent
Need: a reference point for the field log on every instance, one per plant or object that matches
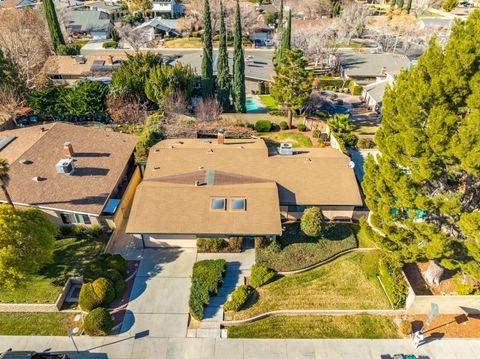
(177, 142)
(65, 166)
(157, 150)
(206, 142)
(156, 168)
(308, 160)
(38, 179)
(210, 150)
(171, 146)
(285, 149)
(25, 162)
(80, 59)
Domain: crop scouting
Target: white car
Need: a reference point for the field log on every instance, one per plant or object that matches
(268, 42)
(250, 58)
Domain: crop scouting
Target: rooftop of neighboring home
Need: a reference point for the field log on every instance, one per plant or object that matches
(87, 21)
(183, 176)
(103, 6)
(365, 64)
(36, 178)
(376, 90)
(18, 4)
(166, 25)
(82, 65)
(436, 22)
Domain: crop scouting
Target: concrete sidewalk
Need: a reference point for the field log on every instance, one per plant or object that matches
(145, 347)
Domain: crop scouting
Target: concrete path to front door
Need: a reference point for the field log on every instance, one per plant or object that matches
(159, 299)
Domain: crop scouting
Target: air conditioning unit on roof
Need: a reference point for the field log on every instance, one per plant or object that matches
(285, 149)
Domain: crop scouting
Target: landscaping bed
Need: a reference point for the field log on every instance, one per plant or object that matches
(70, 256)
(299, 251)
(36, 323)
(349, 282)
(317, 327)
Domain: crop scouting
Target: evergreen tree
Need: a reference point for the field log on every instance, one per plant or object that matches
(424, 190)
(53, 25)
(223, 72)
(409, 6)
(400, 4)
(207, 56)
(286, 40)
(336, 8)
(292, 84)
(238, 86)
(280, 19)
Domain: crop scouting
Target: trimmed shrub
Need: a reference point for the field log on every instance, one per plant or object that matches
(283, 125)
(95, 232)
(393, 281)
(313, 222)
(316, 133)
(260, 275)
(301, 127)
(238, 298)
(110, 44)
(251, 125)
(405, 327)
(79, 231)
(88, 300)
(263, 126)
(365, 143)
(94, 270)
(116, 261)
(355, 90)
(210, 245)
(261, 242)
(65, 231)
(234, 244)
(349, 139)
(98, 322)
(100, 292)
(198, 298)
(118, 282)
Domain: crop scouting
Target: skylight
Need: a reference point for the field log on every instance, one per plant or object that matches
(217, 204)
(238, 204)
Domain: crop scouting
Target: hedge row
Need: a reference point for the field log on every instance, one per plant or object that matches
(393, 281)
(238, 298)
(332, 82)
(263, 126)
(260, 275)
(206, 278)
(216, 245)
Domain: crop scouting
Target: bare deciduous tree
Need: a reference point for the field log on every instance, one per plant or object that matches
(135, 38)
(24, 38)
(11, 101)
(126, 109)
(208, 110)
(353, 20)
(175, 103)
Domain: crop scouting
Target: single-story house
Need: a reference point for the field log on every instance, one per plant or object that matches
(95, 24)
(106, 7)
(17, 4)
(373, 94)
(75, 174)
(234, 187)
(171, 7)
(167, 27)
(66, 70)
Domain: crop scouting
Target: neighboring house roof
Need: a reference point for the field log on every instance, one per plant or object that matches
(376, 90)
(100, 159)
(166, 25)
(104, 7)
(19, 4)
(84, 65)
(437, 22)
(87, 21)
(312, 176)
(25, 3)
(370, 65)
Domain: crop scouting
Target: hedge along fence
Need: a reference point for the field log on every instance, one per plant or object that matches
(355, 89)
(332, 82)
(393, 282)
(206, 278)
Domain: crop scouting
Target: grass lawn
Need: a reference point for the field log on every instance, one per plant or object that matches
(348, 282)
(254, 117)
(184, 42)
(316, 327)
(300, 251)
(296, 139)
(269, 102)
(70, 256)
(362, 237)
(36, 323)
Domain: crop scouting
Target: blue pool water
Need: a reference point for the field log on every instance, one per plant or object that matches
(252, 104)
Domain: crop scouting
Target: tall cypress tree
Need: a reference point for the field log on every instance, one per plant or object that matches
(286, 40)
(207, 58)
(409, 6)
(280, 19)
(238, 88)
(53, 25)
(223, 73)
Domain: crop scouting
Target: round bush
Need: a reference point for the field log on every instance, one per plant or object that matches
(263, 126)
(99, 293)
(88, 300)
(283, 125)
(301, 127)
(118, 281)
(98, 322)
(313, 222)
(120, 286)
(94, 270)
(260, 275)
(117, 262)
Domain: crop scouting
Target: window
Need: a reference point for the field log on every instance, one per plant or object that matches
(75, 218)
(238, 204)
(296, 208)
(217, 204)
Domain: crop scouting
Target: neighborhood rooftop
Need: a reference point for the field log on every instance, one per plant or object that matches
(100, 157)
(366, 64)
(82, 65)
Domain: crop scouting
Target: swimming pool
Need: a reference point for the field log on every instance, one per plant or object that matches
(253, 105)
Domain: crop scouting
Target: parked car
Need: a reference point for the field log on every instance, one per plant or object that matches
(9, 354)
(268, 42)
(250, 58)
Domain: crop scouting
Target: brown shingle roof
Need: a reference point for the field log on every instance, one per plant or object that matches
(100, 159)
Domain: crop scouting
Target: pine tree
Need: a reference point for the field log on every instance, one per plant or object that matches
(223, 72)
(285, 41)
(53, 25)
(207, 57)
(238, 86)
(424, 190)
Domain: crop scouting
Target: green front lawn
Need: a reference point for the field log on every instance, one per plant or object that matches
(296, 139)
(349, 282)
(36, 323)
(269, 102)
(70, 256)
(318, 327)
(300, 251)
(184, 42)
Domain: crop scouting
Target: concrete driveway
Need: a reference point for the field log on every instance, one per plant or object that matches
(159, 300)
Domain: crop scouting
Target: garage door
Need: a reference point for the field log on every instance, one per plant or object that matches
(165, 241)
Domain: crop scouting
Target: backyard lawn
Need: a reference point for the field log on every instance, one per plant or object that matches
(296, 139)
(316, 327)
(184, 42)
(70, 256)
(269, 102)
(300, 251)
(349, 282)
(36, 323)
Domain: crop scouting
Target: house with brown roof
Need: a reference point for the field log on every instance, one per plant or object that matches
(75, 174)
(235, 187)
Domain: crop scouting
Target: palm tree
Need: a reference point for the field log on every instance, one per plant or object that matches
(5, 179)
(340, 123)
